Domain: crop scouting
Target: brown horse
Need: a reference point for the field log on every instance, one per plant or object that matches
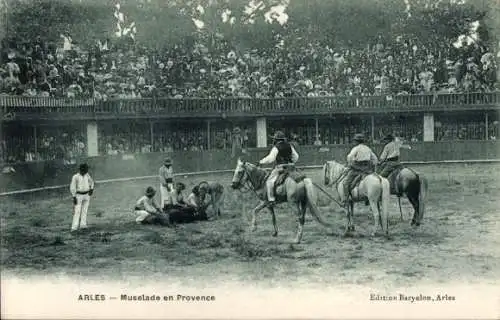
(405, 181)
(300, 193)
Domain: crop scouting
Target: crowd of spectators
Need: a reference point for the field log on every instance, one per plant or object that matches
(52, 143)
(105, 69)
(119, 69)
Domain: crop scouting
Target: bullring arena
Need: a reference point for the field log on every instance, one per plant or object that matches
(458, 239)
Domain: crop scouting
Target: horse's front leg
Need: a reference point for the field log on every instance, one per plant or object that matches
(257, 209)
(351, 216)
(273, 216)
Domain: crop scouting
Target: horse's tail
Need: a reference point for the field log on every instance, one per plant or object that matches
(310, 196)
(421, 198)
(385, 198)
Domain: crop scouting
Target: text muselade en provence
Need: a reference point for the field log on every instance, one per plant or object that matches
(179, 297)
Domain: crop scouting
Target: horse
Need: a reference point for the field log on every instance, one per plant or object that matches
(373, 188)
(299, 192)
(405, 181)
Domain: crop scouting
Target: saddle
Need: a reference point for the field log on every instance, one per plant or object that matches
(355, 183)
(291, 172)
(288, 171)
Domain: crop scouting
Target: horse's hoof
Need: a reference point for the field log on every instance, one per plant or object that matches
(417, 224)
(412, 223)
(275, 234)
(351, 228)
(296, 241)
(373, 234)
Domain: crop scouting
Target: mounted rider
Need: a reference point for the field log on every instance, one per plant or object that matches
(389, 158)
(361, 160)
(282, 154)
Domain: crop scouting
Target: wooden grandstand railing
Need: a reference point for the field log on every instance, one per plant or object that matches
(196, 107)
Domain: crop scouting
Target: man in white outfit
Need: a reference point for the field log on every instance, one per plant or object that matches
(166, 174)
(81, 188)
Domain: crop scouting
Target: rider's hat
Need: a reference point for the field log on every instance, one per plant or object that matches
(388, 137)
(150, 191)
(359, 137)
(236, 130)
(279, 135)
(168, 161)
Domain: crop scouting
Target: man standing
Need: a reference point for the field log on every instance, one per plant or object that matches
(166, 174)
(389, 158)
(81, 188)
(283, 154)
(237, 142)
(361, 160)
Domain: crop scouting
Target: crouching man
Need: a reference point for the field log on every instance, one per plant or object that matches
(148, 211)
(196, 201)
(193, 209)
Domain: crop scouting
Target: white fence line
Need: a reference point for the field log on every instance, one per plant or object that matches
(200, 173)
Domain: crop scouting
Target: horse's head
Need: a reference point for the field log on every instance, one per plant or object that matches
(332, 171)
(240, 176)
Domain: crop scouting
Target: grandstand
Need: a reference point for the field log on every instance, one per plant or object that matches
(70, 89)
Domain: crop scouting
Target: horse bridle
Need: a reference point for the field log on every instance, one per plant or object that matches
(248, 185)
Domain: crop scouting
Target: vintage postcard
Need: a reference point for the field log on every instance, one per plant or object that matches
(209, 159)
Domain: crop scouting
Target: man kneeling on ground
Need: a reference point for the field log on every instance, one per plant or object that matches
(196, 200)
(148, 211)
(186, 211)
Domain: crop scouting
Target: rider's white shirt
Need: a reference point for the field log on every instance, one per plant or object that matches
(361, 152)
(392, 149)
(271, 157)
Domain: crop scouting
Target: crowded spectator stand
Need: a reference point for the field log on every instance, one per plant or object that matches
(119, 67)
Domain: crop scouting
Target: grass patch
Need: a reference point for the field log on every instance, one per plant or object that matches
(209, 240)
(39, 222)
(251, 251)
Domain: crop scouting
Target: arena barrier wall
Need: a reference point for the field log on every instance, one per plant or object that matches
(34, 176)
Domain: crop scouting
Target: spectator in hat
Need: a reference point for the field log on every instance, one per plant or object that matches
(237, 142)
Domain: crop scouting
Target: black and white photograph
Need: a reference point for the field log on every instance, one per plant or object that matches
(249, 159)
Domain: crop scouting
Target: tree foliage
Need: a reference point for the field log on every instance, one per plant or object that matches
(169, 22)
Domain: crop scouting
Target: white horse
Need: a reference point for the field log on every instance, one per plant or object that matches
(373, 188)
(299, 193)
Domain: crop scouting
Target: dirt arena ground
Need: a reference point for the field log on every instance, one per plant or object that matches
(458, 241)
